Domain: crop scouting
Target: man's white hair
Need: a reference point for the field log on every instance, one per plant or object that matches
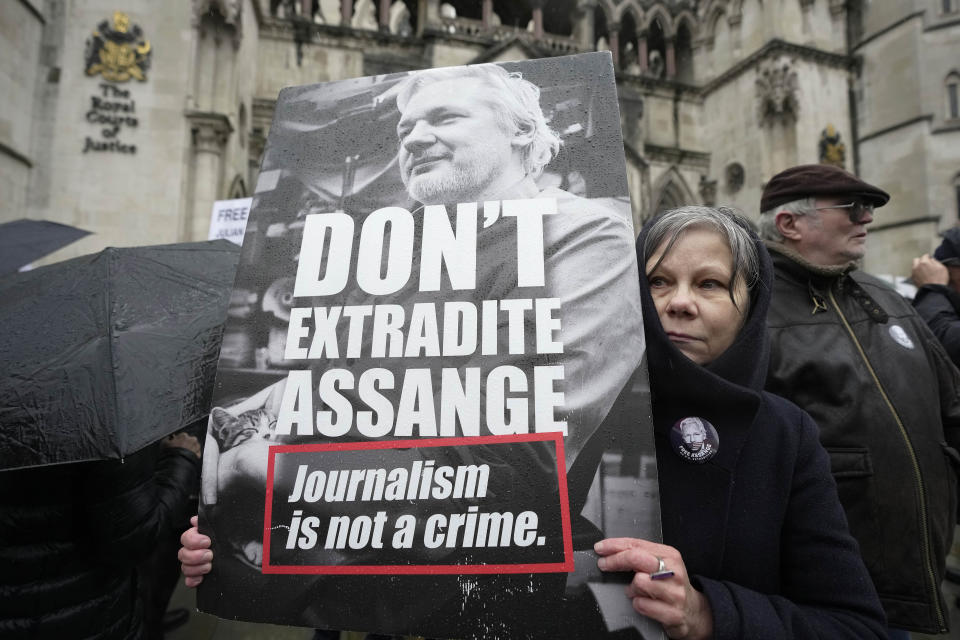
(768, 218)
(516, 102)
(695, 423)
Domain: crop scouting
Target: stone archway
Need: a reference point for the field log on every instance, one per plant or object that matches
(671, 191)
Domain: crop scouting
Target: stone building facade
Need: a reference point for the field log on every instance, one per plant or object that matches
(129, 118)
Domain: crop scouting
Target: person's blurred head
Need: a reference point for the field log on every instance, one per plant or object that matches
(948, 254)
(469, 133)
(821, 212)
(700, 264)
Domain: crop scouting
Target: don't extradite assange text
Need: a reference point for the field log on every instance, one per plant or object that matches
(451, 328)
(426, 414)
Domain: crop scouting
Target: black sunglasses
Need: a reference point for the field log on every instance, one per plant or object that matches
(855, 210)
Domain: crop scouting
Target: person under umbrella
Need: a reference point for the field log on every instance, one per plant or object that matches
(104, 354)
(101, 357)
(72, 535)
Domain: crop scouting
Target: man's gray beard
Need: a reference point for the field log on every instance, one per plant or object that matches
(449, 187)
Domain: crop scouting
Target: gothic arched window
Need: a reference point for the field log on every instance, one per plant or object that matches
(952, 95)
(657, 49)
(629, 60)
(683, 44)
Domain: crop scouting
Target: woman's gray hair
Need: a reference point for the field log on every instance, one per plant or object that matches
(515, 100)
(725, 221)
(768, 218)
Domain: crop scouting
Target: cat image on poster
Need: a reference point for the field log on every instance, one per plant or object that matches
(231, 430)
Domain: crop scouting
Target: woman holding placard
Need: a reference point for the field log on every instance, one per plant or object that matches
(756, 542)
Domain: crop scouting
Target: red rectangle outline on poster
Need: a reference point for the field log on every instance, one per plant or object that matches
(530, 567)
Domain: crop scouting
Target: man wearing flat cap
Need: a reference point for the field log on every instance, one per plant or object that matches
(938, 292)
(852, 352)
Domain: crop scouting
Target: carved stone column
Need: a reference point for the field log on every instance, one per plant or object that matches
(254, 156)
(671, 58)
(584, 30)
(231, 12)
(209, 134)
(642, 51)
(537, 18)
(384, 16)
(631, 116)
(346, 12)
(262, 116)
(838, 22)
(214, 64)
(428, 13)
(614, 30)
(486, 13)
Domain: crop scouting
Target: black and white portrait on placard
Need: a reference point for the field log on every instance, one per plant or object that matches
(431, 398)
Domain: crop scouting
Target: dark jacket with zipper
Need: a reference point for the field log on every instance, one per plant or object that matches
(71, 537)
(855, 355)
(759, 526)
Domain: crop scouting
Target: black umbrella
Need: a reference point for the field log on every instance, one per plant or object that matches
(103, 354)
(23, 241)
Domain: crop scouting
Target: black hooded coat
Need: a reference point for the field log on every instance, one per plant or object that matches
(72, 535)
(759, 526)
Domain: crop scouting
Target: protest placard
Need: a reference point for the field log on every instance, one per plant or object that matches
(228, 219)
(431, 399)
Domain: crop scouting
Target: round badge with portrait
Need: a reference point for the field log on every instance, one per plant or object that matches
(694, 439)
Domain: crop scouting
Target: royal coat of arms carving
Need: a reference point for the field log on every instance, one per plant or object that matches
(118, 51)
